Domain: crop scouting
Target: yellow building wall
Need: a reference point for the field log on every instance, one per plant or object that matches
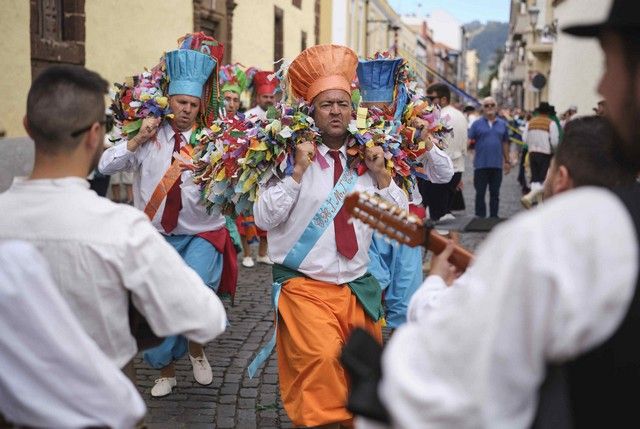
(253, 30)
(15, 55)
(122, 37)
(125, 36)
(326, 17)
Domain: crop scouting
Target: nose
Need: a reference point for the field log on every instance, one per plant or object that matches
(334, 109)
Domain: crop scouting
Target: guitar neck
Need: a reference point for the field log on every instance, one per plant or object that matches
(460, 257)
(402, 226)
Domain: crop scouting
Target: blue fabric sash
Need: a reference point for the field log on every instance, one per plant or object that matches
(321, 220)
(265, 352)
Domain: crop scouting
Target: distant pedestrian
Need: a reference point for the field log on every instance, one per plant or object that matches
(489, 136)
(440, 196)
(471, 113)
(541, 135)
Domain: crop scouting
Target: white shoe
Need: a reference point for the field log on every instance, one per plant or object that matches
(247, 261)
(535, 196)
(448, 216)
(163, 386)
(264, 260)
(201, 370)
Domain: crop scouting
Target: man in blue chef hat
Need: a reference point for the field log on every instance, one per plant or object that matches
(166, 192)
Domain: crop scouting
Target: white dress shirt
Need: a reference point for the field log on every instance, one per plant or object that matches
(541, 141)
(100, 251)
(438, 166)
(285, 209)
(544, 287)
(256, 112)
(458, 140)
(149, 163)
(53, 375)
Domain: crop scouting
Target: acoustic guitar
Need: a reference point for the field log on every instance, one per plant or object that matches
(402, 226)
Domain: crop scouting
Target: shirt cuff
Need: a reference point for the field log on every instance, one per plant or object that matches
(395, 194)
(291, 187)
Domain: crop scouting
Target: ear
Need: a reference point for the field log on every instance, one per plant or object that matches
(94, 137)
(562, 180)
(25, 124)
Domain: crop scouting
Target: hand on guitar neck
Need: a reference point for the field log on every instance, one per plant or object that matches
(442, 267)
(408, 229)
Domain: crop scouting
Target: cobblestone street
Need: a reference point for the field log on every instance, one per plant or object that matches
(233, 399)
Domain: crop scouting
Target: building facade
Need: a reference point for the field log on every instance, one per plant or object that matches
(97, 34)
(577, 63)
(267, 31)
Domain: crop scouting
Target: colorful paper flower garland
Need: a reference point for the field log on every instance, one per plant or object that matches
(242, 155)
(140, 97)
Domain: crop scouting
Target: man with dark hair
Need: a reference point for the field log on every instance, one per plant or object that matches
(78, 97)
(557, 285)
(541, 135)
(439, 196)
(585, 158)
(101, 254)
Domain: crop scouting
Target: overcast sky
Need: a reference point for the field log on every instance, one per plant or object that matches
(464, 10)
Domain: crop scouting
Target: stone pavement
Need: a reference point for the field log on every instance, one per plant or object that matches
(233, 400)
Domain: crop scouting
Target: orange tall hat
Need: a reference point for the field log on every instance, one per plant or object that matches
(321, 68)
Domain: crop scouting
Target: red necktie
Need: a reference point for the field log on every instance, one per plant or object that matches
(173, 204)
(346, 241)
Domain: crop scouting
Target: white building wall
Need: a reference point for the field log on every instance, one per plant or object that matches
(339, 21)
(576, 63)
(446, 28)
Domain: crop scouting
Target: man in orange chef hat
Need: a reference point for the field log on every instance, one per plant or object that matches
(320, 258)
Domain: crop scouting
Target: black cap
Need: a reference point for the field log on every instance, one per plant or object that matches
(624, 15)
(546, 108)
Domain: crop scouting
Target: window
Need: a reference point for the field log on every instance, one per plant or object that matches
(57, 33)
(303, 41)
(297, 3)
(278, 35)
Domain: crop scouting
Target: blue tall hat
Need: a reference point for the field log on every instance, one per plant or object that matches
(188, 71)
(377, 79)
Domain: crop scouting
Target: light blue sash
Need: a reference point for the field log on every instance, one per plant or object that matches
(318, 225)
(321, 220)
(264, 353)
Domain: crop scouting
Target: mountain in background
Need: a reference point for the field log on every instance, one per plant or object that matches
(486, 39)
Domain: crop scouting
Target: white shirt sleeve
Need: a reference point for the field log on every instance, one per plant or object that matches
(542, 288)
(53, 374)
(426, 298)
(524, 133)
(554, 134)
(437, 165)
(117, 158)
(273, 205)
(170, 295)
(394, 194)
